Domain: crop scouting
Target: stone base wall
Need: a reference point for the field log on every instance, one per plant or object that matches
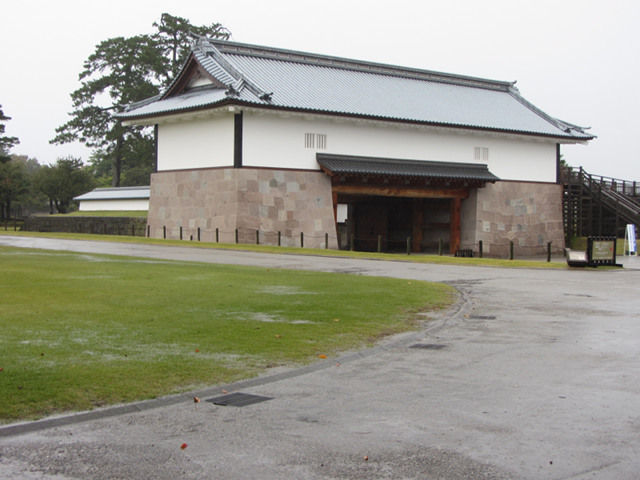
(529, 214)
(259, 203)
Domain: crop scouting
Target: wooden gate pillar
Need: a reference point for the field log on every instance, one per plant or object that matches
(416, 230)
(454, 225)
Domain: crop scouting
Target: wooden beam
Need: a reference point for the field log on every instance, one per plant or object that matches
(407, 192)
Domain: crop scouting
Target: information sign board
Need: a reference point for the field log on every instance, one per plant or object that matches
(603, 250)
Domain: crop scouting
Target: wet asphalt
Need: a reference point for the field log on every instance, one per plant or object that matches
(534, 374)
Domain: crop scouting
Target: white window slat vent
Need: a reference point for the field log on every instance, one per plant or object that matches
(316, 141)
(481, 154)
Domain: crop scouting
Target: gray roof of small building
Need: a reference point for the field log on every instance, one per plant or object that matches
(391, 167)
(120, 193)
(296, 81)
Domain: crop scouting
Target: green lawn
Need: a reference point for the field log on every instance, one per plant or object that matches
(81, 330)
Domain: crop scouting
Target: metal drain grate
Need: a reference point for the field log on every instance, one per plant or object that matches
(428, 346)
(482, 317)
(237, 399)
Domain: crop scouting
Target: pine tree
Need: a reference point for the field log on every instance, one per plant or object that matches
(122, 71)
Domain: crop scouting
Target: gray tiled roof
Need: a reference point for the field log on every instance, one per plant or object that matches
(120, 193)
(389, 167)
(289, 80)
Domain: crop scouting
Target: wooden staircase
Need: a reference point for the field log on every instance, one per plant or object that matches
(594, 205)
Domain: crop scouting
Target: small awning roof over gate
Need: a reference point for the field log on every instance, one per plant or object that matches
(349, 165)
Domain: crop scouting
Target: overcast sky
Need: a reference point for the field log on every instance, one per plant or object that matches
(577, 60)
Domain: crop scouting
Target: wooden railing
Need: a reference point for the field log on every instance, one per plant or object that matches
(579, 176)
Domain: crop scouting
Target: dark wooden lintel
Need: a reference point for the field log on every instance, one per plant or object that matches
(399, 191)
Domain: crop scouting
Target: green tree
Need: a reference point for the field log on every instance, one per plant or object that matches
(6, 143)
(61, 182)
(13, 184)
(33, 200)
(119, 72)
(122, 71)
(174, 35)
(137, 162)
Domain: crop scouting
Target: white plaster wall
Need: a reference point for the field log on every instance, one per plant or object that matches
(197, 143)
(275, 141)
(113, 205)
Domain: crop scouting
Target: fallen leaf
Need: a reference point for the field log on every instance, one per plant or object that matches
(224, 391)
(278, 336)
(322, 356)
(183, 446)
(336, 319)
(196, 400)
(337, 364)
(197, 350)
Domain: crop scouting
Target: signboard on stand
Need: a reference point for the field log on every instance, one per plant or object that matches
(601, 251)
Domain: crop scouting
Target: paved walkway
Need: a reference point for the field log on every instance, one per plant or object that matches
(537, 375)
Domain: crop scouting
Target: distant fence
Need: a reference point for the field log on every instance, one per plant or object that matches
(245, 236)
(95, 225)
(347, 241)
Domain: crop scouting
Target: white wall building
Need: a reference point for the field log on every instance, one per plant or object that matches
(115, 199)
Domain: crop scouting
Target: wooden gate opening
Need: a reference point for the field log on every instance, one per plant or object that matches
(391, 200)
(387, 222)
